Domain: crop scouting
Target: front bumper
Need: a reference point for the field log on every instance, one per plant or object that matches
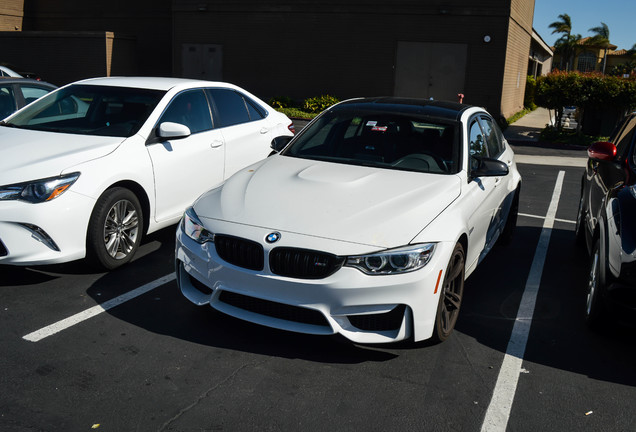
(44, 233)
(362, 308)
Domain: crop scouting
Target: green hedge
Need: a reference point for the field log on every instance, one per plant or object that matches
(531, 89)
(319, 103)
(279, 102)
(587, 91)
(308, 109)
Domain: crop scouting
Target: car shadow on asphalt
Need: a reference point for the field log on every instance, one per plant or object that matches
(165, 311)
(559, 337)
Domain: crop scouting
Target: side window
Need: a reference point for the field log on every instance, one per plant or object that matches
(7, 102)
(32, 93)
(256, 111)
(477, 142)
(189, 108)
(493, 139)
(231, 108)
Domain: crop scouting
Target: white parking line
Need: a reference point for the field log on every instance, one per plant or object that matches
(543, 217)
(498, 411)
(552, 160)
(50, 330)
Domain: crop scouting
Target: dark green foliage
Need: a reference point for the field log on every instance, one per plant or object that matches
(589, 91)
(574, 138)
(278, 102)
(319, 103)
(531, 88)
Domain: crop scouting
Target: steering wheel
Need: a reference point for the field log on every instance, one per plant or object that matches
(424, 161)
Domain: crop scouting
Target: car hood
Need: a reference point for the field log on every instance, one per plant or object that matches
(29, 155)
(378, 207)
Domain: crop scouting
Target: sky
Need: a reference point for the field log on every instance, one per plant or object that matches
(619, 15)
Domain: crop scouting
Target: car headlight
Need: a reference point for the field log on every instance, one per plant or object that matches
(402, 260)
(38, 191)
(193, 227)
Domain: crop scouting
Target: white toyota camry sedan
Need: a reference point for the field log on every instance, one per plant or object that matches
(91, 167)
(365, 224)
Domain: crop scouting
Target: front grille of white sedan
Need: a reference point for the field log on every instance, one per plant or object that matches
(303, 263)
(283, 261)
(240, 252)
(274, 309)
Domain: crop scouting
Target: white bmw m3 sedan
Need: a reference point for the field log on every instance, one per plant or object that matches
(366, 224)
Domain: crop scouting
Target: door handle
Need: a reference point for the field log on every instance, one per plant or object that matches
(264, 130)
(216, 143)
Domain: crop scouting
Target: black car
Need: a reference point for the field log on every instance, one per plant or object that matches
(605, 223)
(18, 92)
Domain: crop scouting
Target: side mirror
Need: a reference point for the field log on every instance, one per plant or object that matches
(280, 142)
(173, 130)
(602, 151)
(486, 167)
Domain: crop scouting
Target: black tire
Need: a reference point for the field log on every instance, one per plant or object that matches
(115, 229)
(594, 305)
(511, 222)
(450, 297)
(579, 229)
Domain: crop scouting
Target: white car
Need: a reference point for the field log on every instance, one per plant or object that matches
(7, 72)
(366, 224)
(91, 167)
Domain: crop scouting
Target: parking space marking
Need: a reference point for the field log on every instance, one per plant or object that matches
(57, 327)
(543, 217)
(498, 412)
(579, 162)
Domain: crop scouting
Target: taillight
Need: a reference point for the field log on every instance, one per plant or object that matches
(291, 128)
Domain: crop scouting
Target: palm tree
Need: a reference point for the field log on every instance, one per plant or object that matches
(566, 46)
(566, 43)
(601, 38)
(563, 26)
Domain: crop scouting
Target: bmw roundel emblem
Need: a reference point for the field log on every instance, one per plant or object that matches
(272, 237)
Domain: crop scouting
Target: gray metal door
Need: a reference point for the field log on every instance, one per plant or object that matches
(202, 61)
(430, 70)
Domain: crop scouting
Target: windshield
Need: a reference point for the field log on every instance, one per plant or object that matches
(90, 110)
(382, 139)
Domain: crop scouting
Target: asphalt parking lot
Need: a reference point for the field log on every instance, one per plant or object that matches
(123, 351)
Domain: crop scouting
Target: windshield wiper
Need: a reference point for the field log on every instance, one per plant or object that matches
(4, 123)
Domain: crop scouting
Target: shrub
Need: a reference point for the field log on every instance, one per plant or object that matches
(531, 87)
(297, 113)
(319, 103)
(278, 102)
(589, 91)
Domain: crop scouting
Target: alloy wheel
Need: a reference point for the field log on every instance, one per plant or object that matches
(121, 229)
(452, 292)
